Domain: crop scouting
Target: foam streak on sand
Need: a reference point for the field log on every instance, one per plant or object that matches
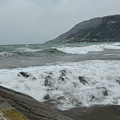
(65, 84)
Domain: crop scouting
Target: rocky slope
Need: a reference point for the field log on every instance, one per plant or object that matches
(28, 106)
(104, 29)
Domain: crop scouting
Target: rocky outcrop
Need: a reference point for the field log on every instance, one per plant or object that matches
(26, 75)
(28, 106)
(83, 80)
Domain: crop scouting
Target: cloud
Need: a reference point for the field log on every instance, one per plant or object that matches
(36, 21)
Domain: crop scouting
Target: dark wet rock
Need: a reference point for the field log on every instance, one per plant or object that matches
(61, 78)
(75, 101)
(26, 75)
(47, 81)
(92, 98)
(29, 107)
(51, 73)
(46, 97)
(57, 88)
(118, 81)
(61, 98)
(104, 90)
(83, 80)
(75, 84)
(63, 72)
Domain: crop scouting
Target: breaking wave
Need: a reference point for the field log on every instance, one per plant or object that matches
(80, 50)
(5, 54)
(90, 48)
(47, 50)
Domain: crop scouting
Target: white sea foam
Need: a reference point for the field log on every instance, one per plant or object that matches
(110, 46)
(101, 84)
(112, 54)
(89, 48)
(5, 54)
(116, 43)
(80, 50)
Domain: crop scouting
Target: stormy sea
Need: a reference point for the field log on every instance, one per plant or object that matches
(70, 75)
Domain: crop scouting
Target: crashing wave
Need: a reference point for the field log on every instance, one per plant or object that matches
(69, 85)
(5, 54)
(89, 48)
(80, 50)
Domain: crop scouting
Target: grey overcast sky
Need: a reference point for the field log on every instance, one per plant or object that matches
(37, 21)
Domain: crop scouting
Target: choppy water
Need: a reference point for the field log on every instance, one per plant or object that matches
(57, 70)
(13, 56)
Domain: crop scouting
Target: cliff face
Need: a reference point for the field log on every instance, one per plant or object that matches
(104, 29)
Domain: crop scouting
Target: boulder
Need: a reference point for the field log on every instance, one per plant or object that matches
(26, 75)
(61, 78)
(104, 91)
(61, 98)
(63, 72)
(47, 81)
(46, 97)
(83, 80)
(118, 81)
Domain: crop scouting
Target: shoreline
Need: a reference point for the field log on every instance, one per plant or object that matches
(96, 112)
(35, 110)
(107, 112)
(29, 107)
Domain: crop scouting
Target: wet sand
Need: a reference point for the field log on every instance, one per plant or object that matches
(94, 113)
(98, 112)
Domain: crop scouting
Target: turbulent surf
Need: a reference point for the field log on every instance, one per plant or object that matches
(70, 75)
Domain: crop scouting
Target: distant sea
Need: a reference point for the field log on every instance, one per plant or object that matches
(62, 66)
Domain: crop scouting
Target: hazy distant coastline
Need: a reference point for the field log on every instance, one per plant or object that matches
(101, 29)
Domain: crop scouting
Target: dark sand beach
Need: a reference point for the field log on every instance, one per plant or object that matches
(108, 112)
